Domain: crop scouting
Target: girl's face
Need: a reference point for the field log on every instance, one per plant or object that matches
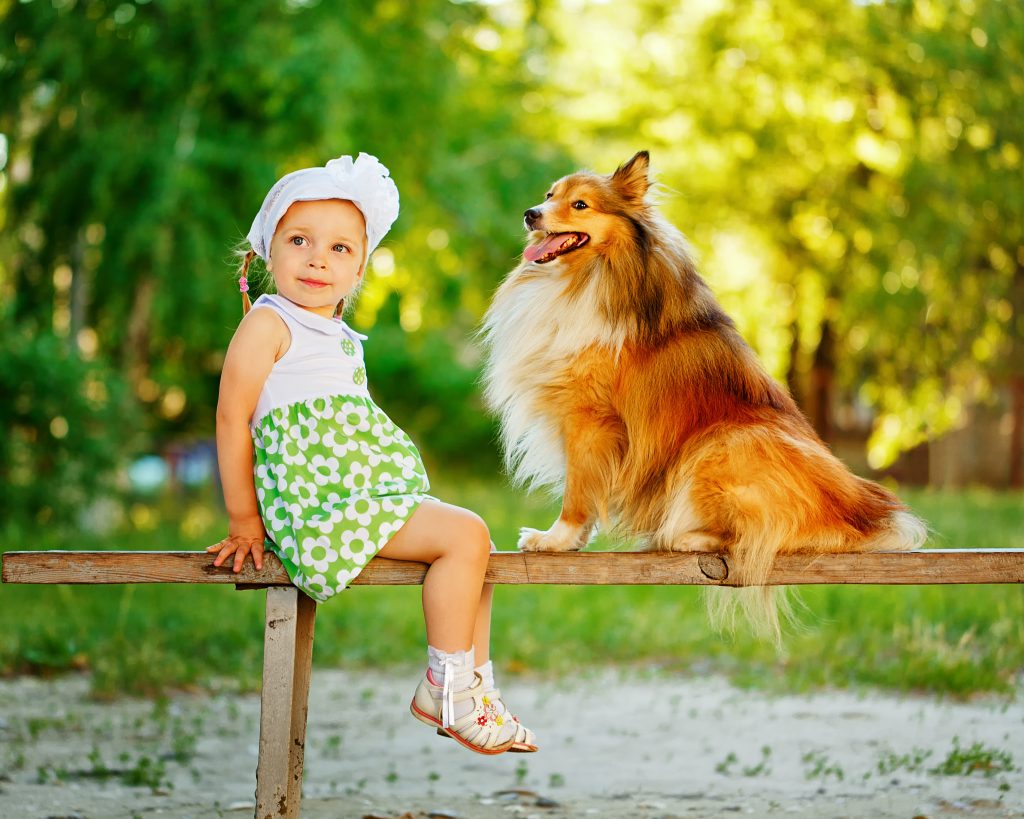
(317, 253)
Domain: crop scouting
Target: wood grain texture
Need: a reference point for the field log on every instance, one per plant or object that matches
(304, 626)
(273, 770)
(929, 566)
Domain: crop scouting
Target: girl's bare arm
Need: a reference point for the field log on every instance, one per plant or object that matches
(260, 340)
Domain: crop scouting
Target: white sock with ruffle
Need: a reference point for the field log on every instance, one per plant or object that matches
(453, 671)
(487, 672)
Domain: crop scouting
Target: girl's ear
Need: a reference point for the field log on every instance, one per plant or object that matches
(366, 259)
(631, 178)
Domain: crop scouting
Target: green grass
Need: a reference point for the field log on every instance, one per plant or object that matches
(954, 640)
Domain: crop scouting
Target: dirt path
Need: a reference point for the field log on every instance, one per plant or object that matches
(613, 746)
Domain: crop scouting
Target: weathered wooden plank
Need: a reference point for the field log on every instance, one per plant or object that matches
(304, 623)
(930, 566)
(133, 567)
(273, 770)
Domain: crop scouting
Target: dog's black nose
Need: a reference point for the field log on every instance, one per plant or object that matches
(531, 216)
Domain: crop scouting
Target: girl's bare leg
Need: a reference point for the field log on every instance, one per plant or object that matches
(482, 632)
(456, 544)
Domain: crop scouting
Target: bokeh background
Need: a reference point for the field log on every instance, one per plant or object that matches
(849, 172)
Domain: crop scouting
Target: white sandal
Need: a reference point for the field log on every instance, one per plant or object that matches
(480, 730)
(525, 742)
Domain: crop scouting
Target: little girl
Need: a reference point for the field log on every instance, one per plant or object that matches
(336, 482)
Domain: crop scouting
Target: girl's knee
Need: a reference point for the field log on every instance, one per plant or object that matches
(472, 535)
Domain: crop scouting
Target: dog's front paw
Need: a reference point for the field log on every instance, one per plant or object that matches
(532, 540)
(559, 538)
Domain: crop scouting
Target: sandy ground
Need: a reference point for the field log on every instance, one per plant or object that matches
(614, 745)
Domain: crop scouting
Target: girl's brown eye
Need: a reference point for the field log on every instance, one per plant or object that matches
(579, 204)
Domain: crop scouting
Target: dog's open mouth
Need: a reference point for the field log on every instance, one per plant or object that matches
(554, 245)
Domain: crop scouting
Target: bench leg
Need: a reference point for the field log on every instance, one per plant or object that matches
(304, 623)
(287, 656)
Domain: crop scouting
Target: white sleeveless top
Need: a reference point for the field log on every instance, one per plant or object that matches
(318, 363)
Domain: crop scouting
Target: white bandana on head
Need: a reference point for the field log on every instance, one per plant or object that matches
(365, 182)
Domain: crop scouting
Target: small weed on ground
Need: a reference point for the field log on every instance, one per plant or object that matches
(144, 772)
(821, 767)
(891, 762)
(761, 768)
(965, 761)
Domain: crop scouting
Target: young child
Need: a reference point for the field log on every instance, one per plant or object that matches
(315, 472)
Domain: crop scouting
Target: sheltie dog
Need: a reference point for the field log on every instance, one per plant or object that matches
(619, 380)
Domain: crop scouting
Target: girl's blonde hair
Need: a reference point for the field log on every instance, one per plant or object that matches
(243, 280)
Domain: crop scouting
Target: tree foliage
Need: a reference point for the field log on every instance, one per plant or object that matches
(141, 137)
(849, 171)
(846, 167)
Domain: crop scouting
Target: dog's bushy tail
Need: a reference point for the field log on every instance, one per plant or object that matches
(764, 609)
(767, 609)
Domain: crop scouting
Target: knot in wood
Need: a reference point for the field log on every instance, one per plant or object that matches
(713, 567)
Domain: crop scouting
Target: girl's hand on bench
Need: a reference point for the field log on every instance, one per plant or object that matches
(239, 545)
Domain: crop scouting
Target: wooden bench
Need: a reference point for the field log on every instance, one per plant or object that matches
(290, 615)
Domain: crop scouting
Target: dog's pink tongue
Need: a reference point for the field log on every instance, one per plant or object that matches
(534, 252)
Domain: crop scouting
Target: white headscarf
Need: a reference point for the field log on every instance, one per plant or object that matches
(365, 182)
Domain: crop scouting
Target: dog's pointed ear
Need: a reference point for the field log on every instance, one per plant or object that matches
(632, 178)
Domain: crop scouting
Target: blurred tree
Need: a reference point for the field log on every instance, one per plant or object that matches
(856, 156)
(141, 137)
(848, 170)
(64, 419)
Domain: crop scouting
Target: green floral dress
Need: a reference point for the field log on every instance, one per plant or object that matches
(335, 478)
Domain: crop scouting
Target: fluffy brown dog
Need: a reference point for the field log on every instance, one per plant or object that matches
(618, 378)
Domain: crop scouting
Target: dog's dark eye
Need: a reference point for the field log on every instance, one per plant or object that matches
(579, 204)
(548, 195)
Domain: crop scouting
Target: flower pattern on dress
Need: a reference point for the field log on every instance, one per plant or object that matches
(362, 510)
(325, 470)
(355, 546)
(304, 490)
(317, 553)
(305, 432)
(291, 453)
(270, 438)
(353, 417)
(336, 479)
(277, 515)
(358, 477)
(320, 407)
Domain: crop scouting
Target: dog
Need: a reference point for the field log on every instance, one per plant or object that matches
(619, 381)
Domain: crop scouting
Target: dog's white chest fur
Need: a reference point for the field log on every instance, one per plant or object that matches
(534, 331)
